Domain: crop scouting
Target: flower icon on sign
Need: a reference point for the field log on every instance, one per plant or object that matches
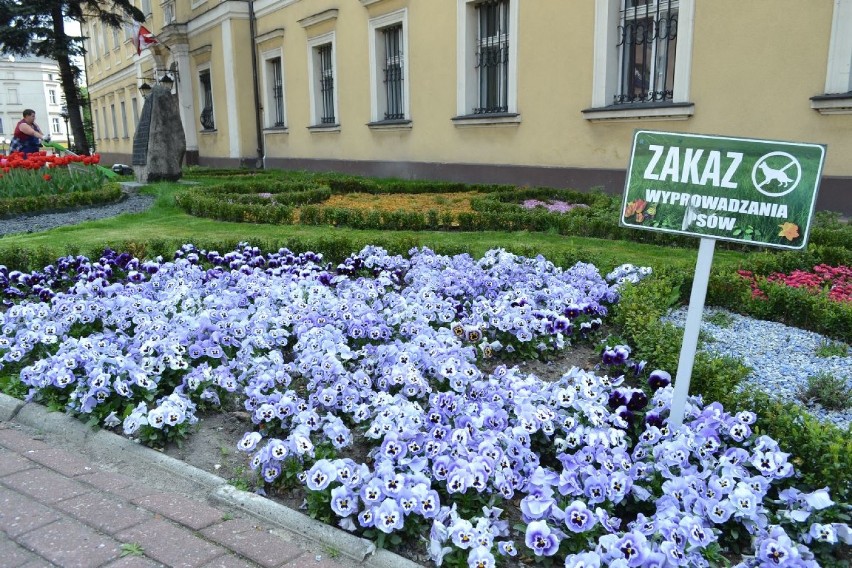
(789, 231)
(637, 208)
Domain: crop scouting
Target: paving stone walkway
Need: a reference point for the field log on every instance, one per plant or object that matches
(60, 508)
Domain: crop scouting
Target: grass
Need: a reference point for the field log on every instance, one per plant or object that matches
(830, 348)
(132, 549)
(720, 319)
(164, 221)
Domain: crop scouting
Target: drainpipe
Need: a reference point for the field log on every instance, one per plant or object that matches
(259, 164)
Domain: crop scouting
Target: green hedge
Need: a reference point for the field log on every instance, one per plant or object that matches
(58, 202)
(498, 208)
(822, 452)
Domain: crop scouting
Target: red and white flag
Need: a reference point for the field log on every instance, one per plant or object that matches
(141, 37)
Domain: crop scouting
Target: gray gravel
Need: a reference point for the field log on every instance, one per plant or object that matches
(781, 357)
(134, 203)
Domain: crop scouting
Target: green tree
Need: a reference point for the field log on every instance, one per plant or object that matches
(37, 27)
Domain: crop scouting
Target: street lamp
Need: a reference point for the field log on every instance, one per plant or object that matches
(145, 89)
(64, 115)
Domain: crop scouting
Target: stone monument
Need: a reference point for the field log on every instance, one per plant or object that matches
(159, 143)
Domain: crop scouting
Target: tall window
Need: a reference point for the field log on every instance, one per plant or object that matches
(93, 42)
(276, 91)
(51, 95)
(134, 107)
(393, 73)
(116, 40)
(647, 43)
(124, 119)
(146, 6)
(114, 121)
(1, 125)
(206, 118)
(55, 126)
(12, 95)
(492, 56)
(326, 83)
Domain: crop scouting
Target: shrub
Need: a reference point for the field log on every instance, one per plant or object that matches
(827, 390)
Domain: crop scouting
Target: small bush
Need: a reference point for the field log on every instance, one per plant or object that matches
(829, 391)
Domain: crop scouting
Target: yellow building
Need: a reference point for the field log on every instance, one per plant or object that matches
(537, 92)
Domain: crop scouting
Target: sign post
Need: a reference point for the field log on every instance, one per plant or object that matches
(759, 192)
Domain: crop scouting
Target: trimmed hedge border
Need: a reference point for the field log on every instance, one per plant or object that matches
(14, 206)
(498, 209)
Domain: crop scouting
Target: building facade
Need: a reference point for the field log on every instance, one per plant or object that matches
(537, 92)
(31, 83)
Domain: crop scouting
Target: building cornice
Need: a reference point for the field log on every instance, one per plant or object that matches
(216, 16)
(272, 34)
(324, 16)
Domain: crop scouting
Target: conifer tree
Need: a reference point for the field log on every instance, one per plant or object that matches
(37, 28)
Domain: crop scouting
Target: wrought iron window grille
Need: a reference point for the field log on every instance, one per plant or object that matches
(326, 80)
(492, 56)
(206, 117)
(647, 42)
(277, 92)
(395, 107)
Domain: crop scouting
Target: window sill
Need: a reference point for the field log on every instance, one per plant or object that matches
(833, 104)
(401, 124)
(208, 131)
(276, 130)
(640, 111)
(495, 119)
(324, 128)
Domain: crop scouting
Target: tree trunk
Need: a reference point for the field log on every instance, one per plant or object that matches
(69, 82)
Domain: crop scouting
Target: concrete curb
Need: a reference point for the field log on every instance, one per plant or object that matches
(109, 446)
(9, 407)
(352, 546)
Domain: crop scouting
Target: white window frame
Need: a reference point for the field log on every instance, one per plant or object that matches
(467, 80)
(12, 96)
(124, 131)
(314, 91)
(93, 42)
(268, 88)
(55, 125)
(134, 106)
(145, 7)
(51, 96)
(114, 120)
(838, 75)
(168, 12)
(605, 74)
(378, 55)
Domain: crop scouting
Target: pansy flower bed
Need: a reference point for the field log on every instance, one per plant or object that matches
(373, 384)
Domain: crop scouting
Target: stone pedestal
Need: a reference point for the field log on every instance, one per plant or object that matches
(159, 144)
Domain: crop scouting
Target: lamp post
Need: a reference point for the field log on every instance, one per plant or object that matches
(3, 143)
(145, 89)
(64, 115)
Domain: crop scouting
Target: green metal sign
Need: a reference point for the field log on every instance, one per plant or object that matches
(761, 192)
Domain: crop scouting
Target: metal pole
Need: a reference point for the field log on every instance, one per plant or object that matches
(690, 333)
(257, 122)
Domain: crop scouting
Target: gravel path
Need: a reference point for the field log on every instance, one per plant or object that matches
(134, 203)
(781, 357)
